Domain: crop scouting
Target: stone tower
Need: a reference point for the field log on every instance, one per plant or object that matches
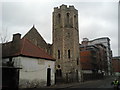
(66, 42)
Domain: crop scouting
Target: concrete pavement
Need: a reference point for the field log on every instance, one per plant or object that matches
(103, 83)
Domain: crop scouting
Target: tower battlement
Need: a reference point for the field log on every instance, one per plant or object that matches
(62, 7)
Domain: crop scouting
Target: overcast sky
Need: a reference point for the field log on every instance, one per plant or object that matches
(96, 19)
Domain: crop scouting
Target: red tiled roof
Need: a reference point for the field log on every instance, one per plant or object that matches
(27, 49)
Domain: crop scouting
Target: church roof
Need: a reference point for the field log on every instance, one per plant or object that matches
(26, 49)
(36, 38)
(32, 31)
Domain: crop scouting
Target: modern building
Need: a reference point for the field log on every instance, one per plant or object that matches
(102, 60)
(89, 58)
(93, 58)
(116, 65)
(106, 42)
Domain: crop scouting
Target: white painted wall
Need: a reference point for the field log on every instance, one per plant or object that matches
(34, 71)
(5, 60)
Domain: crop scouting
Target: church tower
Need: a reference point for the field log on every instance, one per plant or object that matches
(66, 43)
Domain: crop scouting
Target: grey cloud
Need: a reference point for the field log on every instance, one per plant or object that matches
(95, 19)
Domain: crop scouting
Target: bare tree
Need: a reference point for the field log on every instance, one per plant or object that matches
(4, 36)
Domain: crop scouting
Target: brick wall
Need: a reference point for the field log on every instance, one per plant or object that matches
(116, 64)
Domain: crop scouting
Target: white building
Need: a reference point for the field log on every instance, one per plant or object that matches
(38, 68)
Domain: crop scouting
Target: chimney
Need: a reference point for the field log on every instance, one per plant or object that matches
(16, 37)
(16, 43)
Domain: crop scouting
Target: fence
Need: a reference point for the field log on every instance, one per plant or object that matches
(93, 76)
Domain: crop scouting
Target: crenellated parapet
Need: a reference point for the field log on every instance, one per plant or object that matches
(64, 7)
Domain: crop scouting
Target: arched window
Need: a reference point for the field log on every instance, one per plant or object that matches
(69, 53)
(58, 54)
(68, 16)
(59, 17)
(59, 72)
(75, 21)
(74, 17)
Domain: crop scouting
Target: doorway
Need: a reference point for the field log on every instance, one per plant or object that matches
(48, 76)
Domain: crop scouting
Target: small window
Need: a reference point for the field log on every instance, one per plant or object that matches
(69, 53)
(74, 17)
(58, 54)
(77, 61)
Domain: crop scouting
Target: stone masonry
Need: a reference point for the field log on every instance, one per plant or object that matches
(66, 42)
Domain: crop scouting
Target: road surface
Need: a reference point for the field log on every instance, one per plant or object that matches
(104, 84)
